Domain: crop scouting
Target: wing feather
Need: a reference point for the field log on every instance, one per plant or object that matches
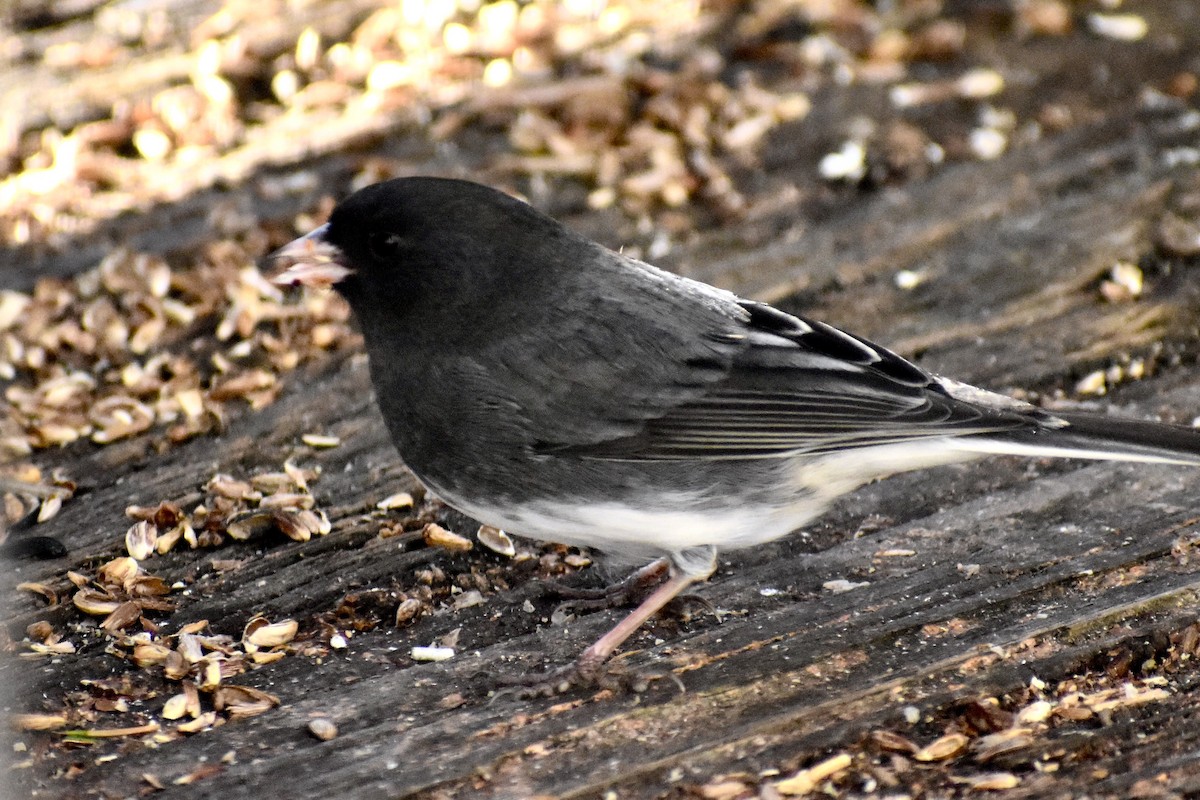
(798, 386)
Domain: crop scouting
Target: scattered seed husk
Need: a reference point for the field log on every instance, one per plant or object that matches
(1037, 711)
(141, 540)
(261, 657)
(452, 700)
(248, 524)
(95, 602)
(808, 780)
(228, 487)
(243, 701)
(1094, 383)
(260, 633)
(40, 630)
(948, 746)
(201, 722)
(175, 707)
(399, 500)
(244, 385)
(176, 667)
(41, 589)
(61, 648)
(12, 307)
(272, 482)
(323, 728)
(146, 589)
(210, 675)
(163, 515)
(496, 540)
(149, 654)
(468, 599)
(287, 501)
(317, 521)
(896, 553)
(166, 542)
(39, 722)
(842, 585)
(191, 403)
(1125, 696)
(437, 536)
(1125, 283)
(991, 781)
(893, 742)
(292, 526)
(1001, 743)
(716, 790)
(120, 572)
(408, 610)
(49, 508)
(299, 475)
(122, 617)
(190, 647)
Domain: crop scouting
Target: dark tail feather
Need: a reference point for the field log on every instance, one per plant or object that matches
(1096, 436)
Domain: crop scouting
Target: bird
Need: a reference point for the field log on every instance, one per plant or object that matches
(545, 385)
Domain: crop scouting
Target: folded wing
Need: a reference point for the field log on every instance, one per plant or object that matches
(798, 386)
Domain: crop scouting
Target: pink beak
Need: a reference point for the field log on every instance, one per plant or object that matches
(311, 261)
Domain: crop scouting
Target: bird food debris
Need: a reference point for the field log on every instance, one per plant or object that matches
(432, 653)
(320, 441)
(496, 540)
(808, 780)
(1121, 27)
(400, 500)
(259, 633)
(941, 749)
(842, 585)
(39, 722)
(323, 728)
(989, 781)
(437, 536)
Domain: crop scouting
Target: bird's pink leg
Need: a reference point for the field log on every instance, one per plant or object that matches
(603, 647)
(687, 567)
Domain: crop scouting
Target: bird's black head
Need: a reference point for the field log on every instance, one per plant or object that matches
(438, 245)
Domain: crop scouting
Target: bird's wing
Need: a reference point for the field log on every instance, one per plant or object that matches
(798, 386)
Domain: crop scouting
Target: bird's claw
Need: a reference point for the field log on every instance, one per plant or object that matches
(629, 591)
(581, 675)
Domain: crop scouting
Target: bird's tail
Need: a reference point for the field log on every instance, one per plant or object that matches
(1096, 436)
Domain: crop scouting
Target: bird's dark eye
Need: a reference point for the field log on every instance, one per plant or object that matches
(383, 244)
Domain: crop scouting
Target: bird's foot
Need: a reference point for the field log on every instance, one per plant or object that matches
(680, 606)
(582, 674)
(626, 592)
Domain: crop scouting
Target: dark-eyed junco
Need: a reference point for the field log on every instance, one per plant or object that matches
(545, 385)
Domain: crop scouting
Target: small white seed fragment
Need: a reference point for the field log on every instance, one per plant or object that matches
(432, 653)
(397, 500)
(319, 441)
